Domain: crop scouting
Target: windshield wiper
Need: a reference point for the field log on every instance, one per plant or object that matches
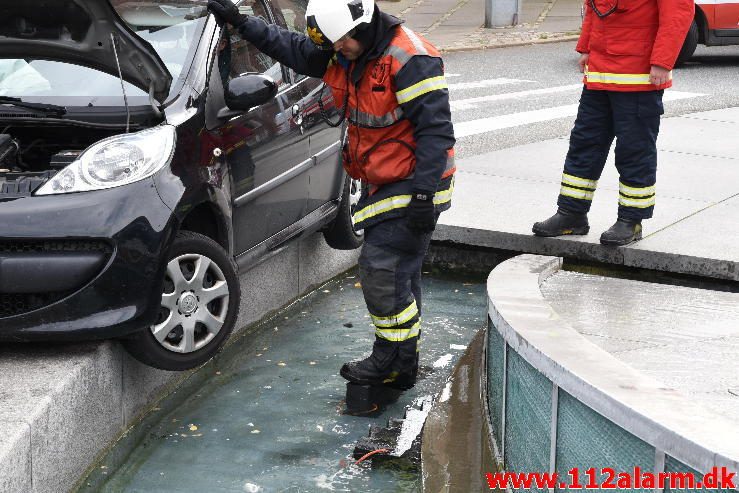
(49, 109)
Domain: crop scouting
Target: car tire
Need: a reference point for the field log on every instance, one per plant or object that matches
(689, 45)
(199, 306)
(340, 234)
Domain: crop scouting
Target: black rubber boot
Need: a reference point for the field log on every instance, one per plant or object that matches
(393, 364)
(622, 233)
(563, 223)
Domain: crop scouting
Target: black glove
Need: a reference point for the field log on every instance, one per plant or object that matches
(226, 11)
(421, 214)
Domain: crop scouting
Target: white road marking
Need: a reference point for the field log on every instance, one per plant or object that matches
(452, 75)
(470, 103)
(485, 83)
(483, 125)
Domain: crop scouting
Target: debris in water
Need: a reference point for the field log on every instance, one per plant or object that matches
(443, 361)
(348, 325)
(193, 427)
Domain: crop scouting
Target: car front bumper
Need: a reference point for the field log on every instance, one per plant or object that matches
(84, 265)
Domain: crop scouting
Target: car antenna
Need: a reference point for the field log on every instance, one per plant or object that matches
(123, 87)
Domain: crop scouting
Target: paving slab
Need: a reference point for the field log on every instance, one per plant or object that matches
(700, 136)
(705, 243)
(498, 212)
(726, 115)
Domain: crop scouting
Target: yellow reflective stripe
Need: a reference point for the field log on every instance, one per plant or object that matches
(576, 193)
(399, 319)
(579, 182)
(385, 205)
(421, 88)
(399, 335)
(608, 78)
(638, 203)
(444, 196)
(398, 202)
(636, 192)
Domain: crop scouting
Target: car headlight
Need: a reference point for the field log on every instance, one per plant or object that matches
(115, 161)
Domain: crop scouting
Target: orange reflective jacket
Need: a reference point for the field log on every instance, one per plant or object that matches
(381, 147)
(637, 34)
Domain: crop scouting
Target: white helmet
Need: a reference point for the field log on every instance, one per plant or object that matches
(328, 20)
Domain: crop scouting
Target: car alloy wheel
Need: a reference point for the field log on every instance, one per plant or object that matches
(197, 307)
(194, 304)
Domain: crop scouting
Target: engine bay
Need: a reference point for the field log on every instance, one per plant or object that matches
(30, 156)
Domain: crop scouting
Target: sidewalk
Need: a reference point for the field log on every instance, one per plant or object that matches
(453, 25)
(694, 230)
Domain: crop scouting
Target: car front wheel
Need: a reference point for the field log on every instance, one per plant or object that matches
(198, 307)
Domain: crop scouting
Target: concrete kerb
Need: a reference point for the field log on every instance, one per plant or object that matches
(490, 46)
(64, 405)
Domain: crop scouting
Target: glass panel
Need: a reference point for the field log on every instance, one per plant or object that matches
(495, 381)
(528, 417)
(291, 13)
(675, 466)
(586, 439)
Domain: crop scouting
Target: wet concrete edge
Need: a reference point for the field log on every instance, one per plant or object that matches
(566, 247)
(456, 451)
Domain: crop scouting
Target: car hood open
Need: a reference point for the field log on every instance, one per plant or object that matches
(79, 31)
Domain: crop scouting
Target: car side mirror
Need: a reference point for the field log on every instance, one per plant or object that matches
(250, 90)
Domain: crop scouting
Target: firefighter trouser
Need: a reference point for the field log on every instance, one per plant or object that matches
(390, 270)
(632, 118)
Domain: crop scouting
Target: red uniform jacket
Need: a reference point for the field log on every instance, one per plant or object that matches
(625, 44)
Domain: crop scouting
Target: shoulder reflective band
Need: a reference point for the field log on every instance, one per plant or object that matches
(421, 88)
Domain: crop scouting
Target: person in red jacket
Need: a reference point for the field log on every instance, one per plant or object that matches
(628, 49)
(389, 84)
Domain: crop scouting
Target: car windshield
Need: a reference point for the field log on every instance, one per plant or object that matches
(172, 27)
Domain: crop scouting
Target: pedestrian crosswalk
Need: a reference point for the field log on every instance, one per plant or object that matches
(502, 108)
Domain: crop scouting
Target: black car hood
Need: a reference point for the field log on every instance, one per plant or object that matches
(79, 31)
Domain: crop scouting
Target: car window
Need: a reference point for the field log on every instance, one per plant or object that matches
(291, 13)
(172, 27)
(236, 56)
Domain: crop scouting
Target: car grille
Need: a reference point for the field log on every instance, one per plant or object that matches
(12, 304)
(29, 246)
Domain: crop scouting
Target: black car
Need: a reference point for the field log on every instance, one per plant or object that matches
(146, 155)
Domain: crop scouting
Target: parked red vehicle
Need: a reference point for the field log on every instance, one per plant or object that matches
(716, 23)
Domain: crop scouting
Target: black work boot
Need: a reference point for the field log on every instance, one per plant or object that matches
(394, 364)
(563, 223)
(622, 233)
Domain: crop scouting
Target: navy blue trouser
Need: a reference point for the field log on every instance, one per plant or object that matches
(632, 118)
(390, 270)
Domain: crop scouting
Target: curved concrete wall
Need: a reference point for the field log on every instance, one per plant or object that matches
(61, 406)
(558, 400)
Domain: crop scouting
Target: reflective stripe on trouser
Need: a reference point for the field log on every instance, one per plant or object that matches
(632, 118)
(390, 270)
(394, 202)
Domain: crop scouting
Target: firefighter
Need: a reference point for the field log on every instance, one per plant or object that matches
(390, 86)
(628, 49)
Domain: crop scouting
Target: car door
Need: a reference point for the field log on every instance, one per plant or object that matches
(727, 17)
(324, 179)
(268, 152)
